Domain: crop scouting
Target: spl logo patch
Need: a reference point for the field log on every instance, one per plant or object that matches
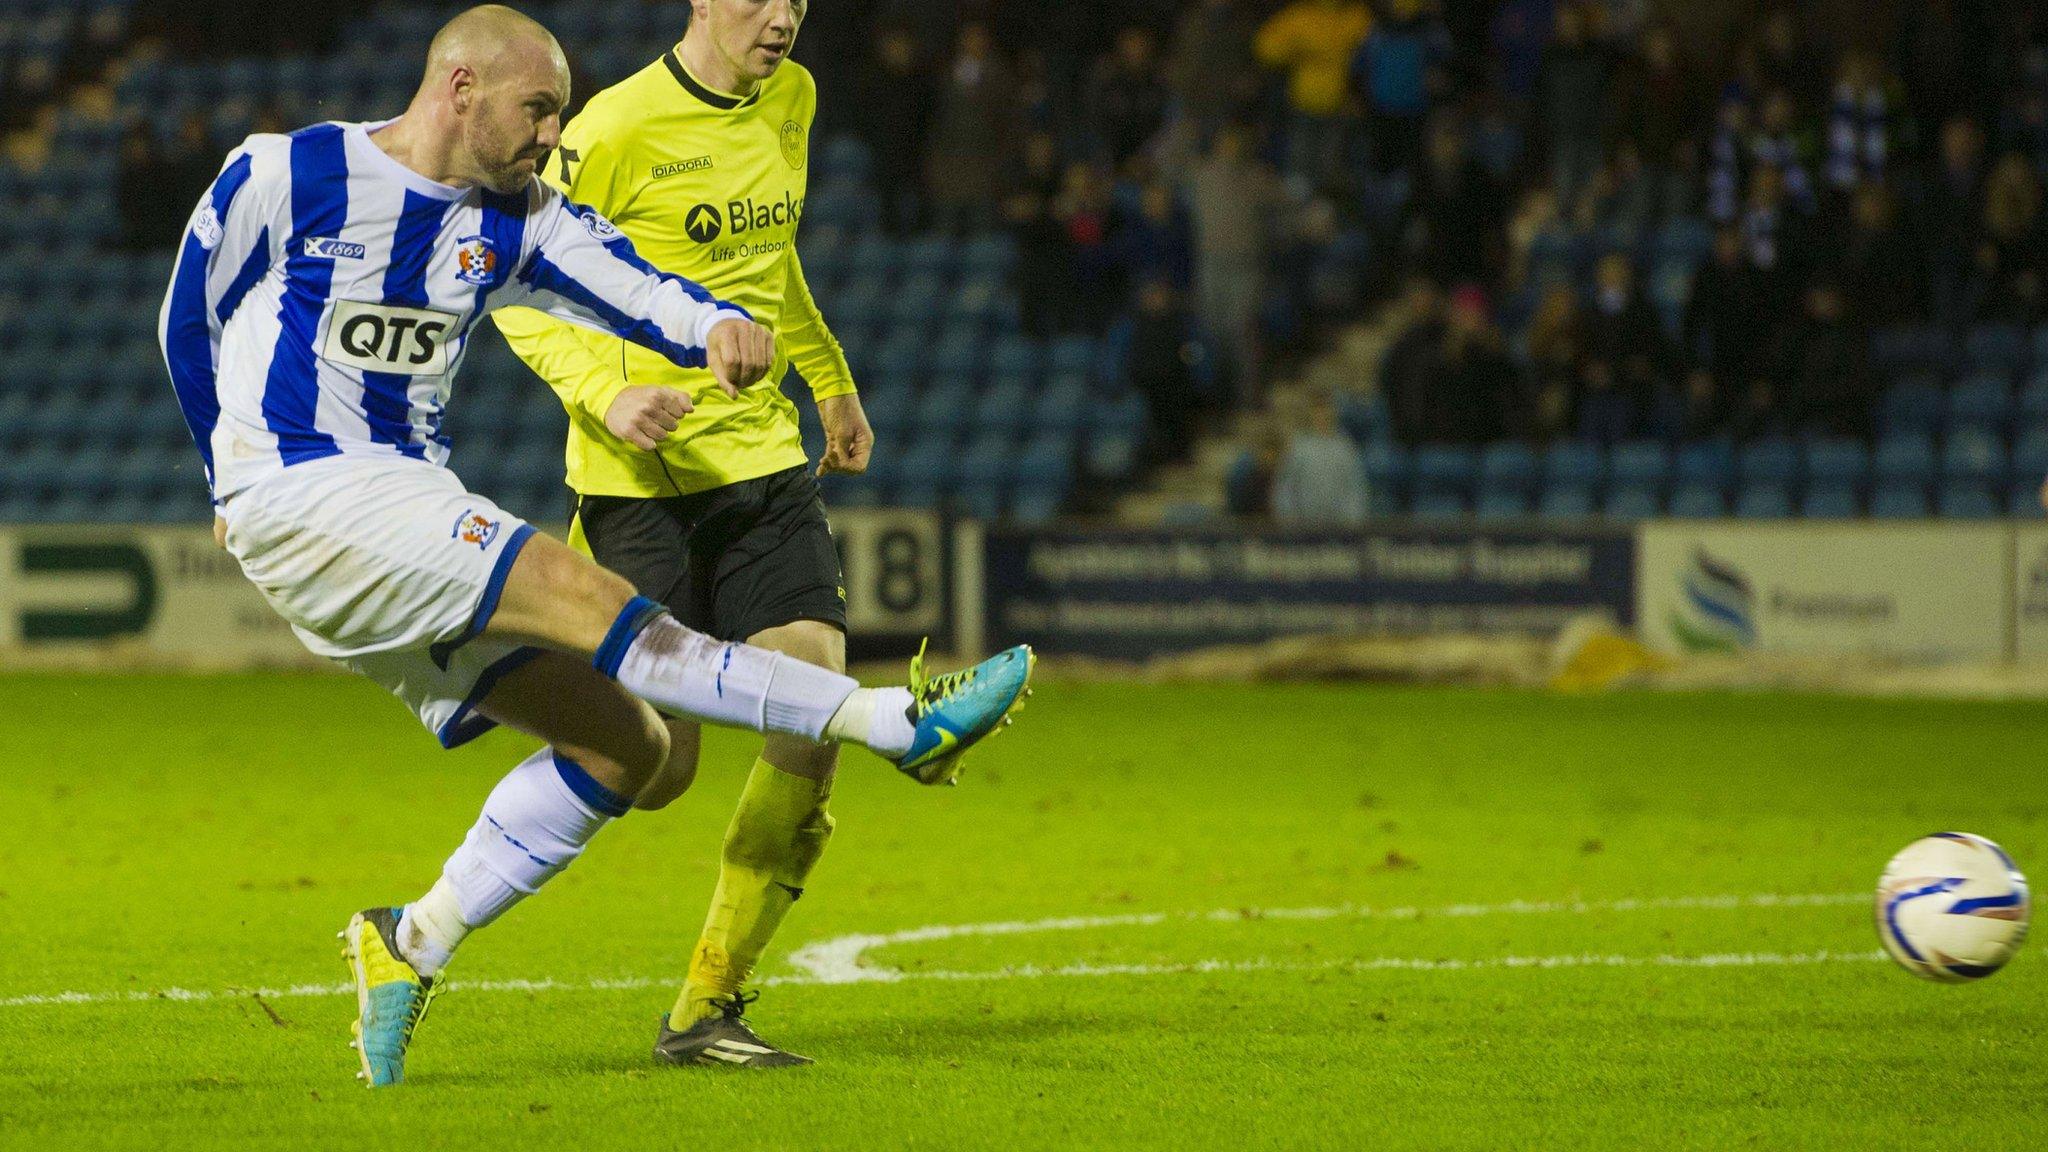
(601, 230)
(793, 150)
(476, 261)
(472, 527)
(704, 224)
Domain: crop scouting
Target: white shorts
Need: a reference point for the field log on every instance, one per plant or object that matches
(391, 567)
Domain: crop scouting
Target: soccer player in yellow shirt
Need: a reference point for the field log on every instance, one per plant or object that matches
(707, 502)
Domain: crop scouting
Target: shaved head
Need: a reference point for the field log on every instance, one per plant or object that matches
(491, 38)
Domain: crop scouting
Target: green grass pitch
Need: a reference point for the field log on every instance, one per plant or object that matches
(1207, 883)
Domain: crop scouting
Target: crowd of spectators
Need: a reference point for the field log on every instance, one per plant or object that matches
(1594, 222)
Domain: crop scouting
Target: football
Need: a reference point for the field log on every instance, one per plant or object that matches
(1952, 907)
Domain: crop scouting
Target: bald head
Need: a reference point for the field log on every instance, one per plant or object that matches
(491, 39)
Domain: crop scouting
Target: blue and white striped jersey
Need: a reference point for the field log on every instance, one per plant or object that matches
(325, 293)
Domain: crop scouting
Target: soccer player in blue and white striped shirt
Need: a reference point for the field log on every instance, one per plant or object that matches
(326, 289)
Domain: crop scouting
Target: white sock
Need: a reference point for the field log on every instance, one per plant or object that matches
(535, 824)
(876, 717)
(694, 676)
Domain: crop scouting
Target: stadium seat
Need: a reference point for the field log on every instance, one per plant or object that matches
(1829, 502)
(1837, 461)
(1630, 502)
(1386, 466)
(1708, 463)
(2030, 459)
(1445, 466)
(1772, 460)
(1507, 465)
(1036, 505)
(1438, 504)
(1981, 400)
(1574, 463)
(2023, 502)
(1566, 501)
(2033, 399)
(1974, 456)
(1639, 464)
(1764, 502)
(1996, 348)
(1898, 501)
(1698, 502)
(1968, 502)
(1070, 354)
(1502, 503)
(1905, 458)
(1913, 405)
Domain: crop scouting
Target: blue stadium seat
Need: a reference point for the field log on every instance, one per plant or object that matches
(1914, 404)
(2023, 502)
(1905, 458)
(1981, 400)
(1037, 505)
(1508, 465)
(1503, 503)
(1630, 502)
(1771, 460)
(1566, 501)
(1969, 502)
(1829, 502)
(1896, 350)
(1764, 502)
(1439, 504)
(1014, 356)
(1998, 348)
(2033, 401)
(933, 253)
(1070, 354)
(1574, 463)
(1709, 463)
(945, 409)
(1837, 461)
(1639, 464)
(1445, 466)
(1046, 460)
(1005, 407)
(1698, 502)
(1112, 455)
(1899, 501)
(844, 156)
(989, 253)
(2030, 458)
(1386, 466)
(1974, 456)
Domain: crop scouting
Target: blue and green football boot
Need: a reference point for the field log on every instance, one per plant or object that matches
(390, 997)
(956, 711)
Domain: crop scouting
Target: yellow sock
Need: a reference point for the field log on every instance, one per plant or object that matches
(775, 838)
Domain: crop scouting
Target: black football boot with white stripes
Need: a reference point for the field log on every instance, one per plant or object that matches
(723, 1039)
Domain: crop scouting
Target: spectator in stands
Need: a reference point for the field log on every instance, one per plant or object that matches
(1409, 369)
(1152, 244)
(1162, 351)
(1720, 334)
(1571, 100)
(1860, 129)
(1248, 486)
(1213, 76)
(1519, 33)
(1045, 257)
(2013, 252)
(1951, 216)
(893, 114)
(1628, 360)
(1312, 41)
(1536, 219)
(1777, 239)
(1476, 395)
(1827, 386)
(1872, 262)
(1231, 196)
(1658, 107)
(1398, 68)
(975, 118)
(1127, 96)
(1082, 209)
(1321, 480)
(1457, 213)
(1556, 347)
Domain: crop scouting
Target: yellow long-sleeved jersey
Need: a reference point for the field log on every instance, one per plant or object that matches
(709, 187)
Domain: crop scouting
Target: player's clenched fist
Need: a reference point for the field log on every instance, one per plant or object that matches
(740, 352)
(643, 416)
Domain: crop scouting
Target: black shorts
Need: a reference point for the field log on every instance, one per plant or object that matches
(730, 561)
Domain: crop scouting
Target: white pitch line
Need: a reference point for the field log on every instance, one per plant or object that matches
(839, 960)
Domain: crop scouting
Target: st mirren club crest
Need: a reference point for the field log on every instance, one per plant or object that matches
(476, 262)
(793, 150)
